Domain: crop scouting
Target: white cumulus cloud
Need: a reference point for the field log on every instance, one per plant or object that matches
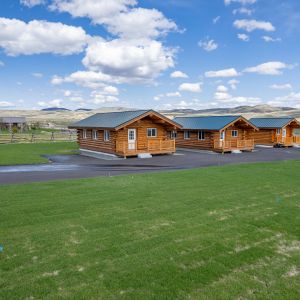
(98, 11)
(98, 97)
(191, 87)
(178, 74)
(222, 89)
(286, 86)
(31, 3)
(244, 37)
(52, 103)
(35, 37)
(134, 53)
(208, 46)
(243, 2)
(222, 73)
(269, 39)
(38, 75)
(269, 68)
(243, 10)
(251, 25)
(128, 60)
(120, 17)
(87, 79)
(233, 84)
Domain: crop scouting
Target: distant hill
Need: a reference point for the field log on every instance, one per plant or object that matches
(83, 109)
(58, 117)
(248, 111)
(55, 109)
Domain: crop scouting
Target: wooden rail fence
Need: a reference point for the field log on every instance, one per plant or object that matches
(37, 137)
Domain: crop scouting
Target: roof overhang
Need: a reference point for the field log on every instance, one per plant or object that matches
(150, 113)
(240, 118)
(292, 121)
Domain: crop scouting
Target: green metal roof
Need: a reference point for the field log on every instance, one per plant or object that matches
(205, 123)
(270, 122)
(108, 120)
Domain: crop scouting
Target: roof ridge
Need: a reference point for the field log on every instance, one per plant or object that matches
(124, 111)
(219, 116)
(273, 118)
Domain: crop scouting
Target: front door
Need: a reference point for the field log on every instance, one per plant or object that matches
(131, 139)
(222, 139)
(284, 133)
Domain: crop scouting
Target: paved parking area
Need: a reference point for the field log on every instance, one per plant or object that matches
(76, 166)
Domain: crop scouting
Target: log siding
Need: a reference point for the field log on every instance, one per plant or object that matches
(118, 141)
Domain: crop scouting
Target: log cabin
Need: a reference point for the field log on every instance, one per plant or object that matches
(276, 131)
(216, 133)
(128, 133)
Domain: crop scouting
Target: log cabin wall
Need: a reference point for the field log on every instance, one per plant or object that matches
(210, 137)
(193, 142)
(243, 133)
(97, 145)
(141, 127)
(263, 136)
(269, 136)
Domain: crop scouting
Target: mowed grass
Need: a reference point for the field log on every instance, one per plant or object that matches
(228, 232)
(15, 154)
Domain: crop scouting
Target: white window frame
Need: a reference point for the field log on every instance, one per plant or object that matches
(278, 131)
(186, 134)
(84, 134)
(234, 133)
(152, 131)
(201, 135)
(173, 134)
(106, 135)
(95, 135)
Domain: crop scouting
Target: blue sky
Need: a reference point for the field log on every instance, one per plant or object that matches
(149, 54)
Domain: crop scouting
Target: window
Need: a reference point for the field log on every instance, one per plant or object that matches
(201, 135)
(106, 135)
(173, 135)
(152, 132)
(84, 135)
(95, 135)
(278, 131)
(186, 135)
(234, 133)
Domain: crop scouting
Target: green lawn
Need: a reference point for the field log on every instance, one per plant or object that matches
(228, 232)
(14, 154)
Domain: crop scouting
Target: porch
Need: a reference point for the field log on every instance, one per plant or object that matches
(287, 141)
(231, 145)
(151, 146)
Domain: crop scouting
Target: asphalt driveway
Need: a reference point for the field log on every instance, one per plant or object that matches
(76, 166)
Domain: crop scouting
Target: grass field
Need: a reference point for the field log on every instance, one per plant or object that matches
(15, 154)
(228, 232)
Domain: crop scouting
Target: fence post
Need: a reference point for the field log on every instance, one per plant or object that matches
(32, 137)
(12, 137)
(52, 136)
